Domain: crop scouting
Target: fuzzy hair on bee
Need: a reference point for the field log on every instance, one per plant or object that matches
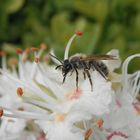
(83, 63)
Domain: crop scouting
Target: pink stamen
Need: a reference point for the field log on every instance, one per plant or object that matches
(41, 137)
(118, 103)
(46, 58)
(76, 94)
(136, 106)
(115, 133)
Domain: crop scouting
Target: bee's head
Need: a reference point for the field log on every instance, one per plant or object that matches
(66, 67)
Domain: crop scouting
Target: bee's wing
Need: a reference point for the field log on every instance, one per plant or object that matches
(99, 57)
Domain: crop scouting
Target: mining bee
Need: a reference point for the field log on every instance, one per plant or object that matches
(83, 63)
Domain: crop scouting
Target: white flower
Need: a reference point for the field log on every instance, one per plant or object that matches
(124, 116)
(94, 102)
(113, 64)
(61, 106)
(65, 112)
(12, 128)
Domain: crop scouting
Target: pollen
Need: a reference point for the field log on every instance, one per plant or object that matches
(88, 133)
(1, 112)
(19, 91)
(79, 33)
(60, 117)
(99, 123)
(19, 51)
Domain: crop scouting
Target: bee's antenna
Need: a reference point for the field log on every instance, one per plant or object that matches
(56, 58)
(69, 43)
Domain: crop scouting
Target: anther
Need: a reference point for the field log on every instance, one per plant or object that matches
(79, 33)
(60, 117)
(27, 50)
(88, 133)
(19, 91)
(19, 51)
(37, 60)
(99, 123)
(11, 121)
(20, 109)
(12, 61)
(43, 46)
(69, 44)
(2, 53)
(1, 112)
(34, 49)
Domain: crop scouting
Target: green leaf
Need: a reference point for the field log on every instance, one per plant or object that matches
(12, 6)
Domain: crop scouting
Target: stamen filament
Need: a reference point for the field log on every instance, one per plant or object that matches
(35, 90)
(66, 55)
(125, 71)
(39, 103)
(24, 114)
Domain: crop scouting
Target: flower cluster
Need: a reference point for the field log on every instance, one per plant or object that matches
(35, 105)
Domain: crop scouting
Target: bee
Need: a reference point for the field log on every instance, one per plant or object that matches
(83, 63)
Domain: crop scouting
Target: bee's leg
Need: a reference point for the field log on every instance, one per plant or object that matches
(64, 78)
(84, 74)
(58, 66)
(98, 69)
(89, 77)
(76, 78)
(84, 66)
(71, 72)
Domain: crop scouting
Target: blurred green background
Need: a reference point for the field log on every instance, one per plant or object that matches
(106, 24)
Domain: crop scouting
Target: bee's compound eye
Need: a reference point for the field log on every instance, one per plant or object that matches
(68, 66)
